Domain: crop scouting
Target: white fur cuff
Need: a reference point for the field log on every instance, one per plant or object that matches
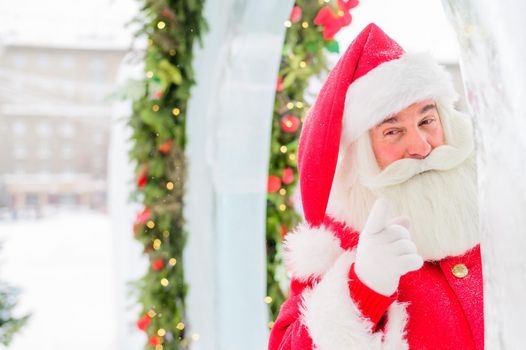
(335, 323)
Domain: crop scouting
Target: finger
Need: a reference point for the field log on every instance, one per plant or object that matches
(391, 234)
(402, 221)
(410, 262)
(378, 217)
(402, 247)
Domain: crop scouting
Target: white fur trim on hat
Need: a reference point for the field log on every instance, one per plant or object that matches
(335, 323)
(310, 251)
(391, 87)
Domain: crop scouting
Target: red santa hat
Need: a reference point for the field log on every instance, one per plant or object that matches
(372, 80)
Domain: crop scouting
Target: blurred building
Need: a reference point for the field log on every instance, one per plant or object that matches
(55, 108)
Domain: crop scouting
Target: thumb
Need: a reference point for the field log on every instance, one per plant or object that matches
(402, 221)
(378, 217)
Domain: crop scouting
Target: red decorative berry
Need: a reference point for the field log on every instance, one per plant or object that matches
(166, 147)
(284, 230)
(295, 15)
(273, 184)
(332, 22)
(158, 264)
(155, 340)
(143, 216)
(290, 123)
(142, 178)
(288, 176)
(279, 85)
(144, 322)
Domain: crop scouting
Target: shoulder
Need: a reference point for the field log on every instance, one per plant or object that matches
(310, 251)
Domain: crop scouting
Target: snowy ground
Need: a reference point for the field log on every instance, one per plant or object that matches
(63, 264)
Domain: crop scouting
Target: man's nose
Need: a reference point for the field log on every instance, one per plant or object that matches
(418, 146)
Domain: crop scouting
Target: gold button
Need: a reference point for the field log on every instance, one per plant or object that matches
(459, 270)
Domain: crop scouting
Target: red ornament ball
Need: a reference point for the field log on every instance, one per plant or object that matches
(144, 322)
(166, 147)
(288, 176)
(158, 264)
(295, 15)
(273, 184)
(142, 178)
(279, 84)
(290, 123)
(155, 340)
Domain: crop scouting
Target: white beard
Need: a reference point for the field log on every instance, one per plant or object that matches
(438, 193)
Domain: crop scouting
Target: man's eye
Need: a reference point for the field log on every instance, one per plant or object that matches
(427, 121)
(391, 132)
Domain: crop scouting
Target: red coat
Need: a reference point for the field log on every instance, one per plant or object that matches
(437, 307)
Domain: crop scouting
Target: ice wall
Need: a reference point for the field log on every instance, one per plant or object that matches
(493, 56)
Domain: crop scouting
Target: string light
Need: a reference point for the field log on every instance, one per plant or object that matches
(150, 42)
(172, 52)
(158, 347)
(287, 23)
(161, 25)
(176, 111)
(151, 313)
(165, 282)
(305, 25)
(271, 324)
(157, 244)
(290, 105)
(283, 191)
(172, 261)
(166, 233)
(149, 74)
(283, 149)
(180, 326)
(150, 224)
(161, 332)
(340, 13)
(268, 299)
(303, 64)
(155, 108)
(282, 207)
(169, 185)
(299, 104)
(292, 156)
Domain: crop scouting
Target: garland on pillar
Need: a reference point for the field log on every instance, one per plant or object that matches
(310, 31)
(158, 123)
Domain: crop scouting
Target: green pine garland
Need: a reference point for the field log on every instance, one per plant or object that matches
(158, 123)
(9, 324)
(303, 57)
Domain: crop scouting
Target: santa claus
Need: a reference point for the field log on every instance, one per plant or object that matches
(389, 256)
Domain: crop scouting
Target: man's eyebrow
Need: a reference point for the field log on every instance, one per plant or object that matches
(390, 120)
(428, 108)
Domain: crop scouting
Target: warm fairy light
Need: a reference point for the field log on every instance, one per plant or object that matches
(288, 124)
(165, 282)
(172, 261)
(166, 233)
(283, 149)
(150, 42)
(176, 111)
(268, 299)
(149, 74)
(169, 185)
(287, 24)
(172, 52)
(151, 313)
(302, 119)
(180, 326)
(271, 324)
(283, 191)
(195, 337)
(292, 156)
(305, 25)
(282, 207)
(159, 347)
(155, 108)
(161, 332)
(303, 64)
(150, 224)
(161, 25)
(340, 13)
(157, 244)
(299, 104)
(290, 105)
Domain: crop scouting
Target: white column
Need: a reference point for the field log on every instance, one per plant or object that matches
(228, 127)
(493, 51)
